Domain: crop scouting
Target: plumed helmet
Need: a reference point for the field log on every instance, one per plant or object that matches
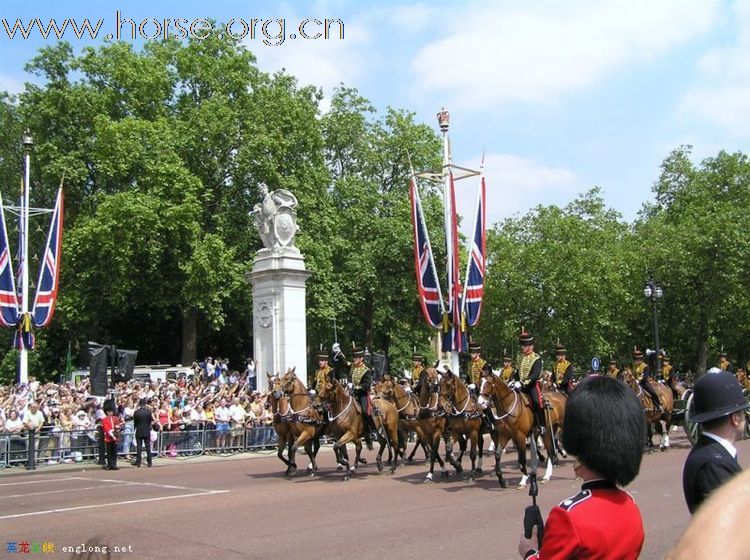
(716, 395)
(605, 428)
(322, 356)
(358, 352)
(560, 349)
(525, 337)
(637, 354)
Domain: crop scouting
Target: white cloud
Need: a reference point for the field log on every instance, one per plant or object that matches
(11, 85)
(722, 92)
(514, 185)
(540, 50)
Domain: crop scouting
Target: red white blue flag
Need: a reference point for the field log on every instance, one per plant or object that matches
(428, 287)
(474, 287)
(46, 287)
(8, 296)
(454, 285)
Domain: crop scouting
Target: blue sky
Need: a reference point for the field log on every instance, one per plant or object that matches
(562, 95)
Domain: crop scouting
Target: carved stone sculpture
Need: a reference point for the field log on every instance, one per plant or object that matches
(276, 218)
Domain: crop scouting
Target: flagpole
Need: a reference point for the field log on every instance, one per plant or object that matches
(28, 145)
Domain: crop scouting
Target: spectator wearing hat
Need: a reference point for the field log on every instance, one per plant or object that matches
(529, 375)
(476, 364)
(361, 378)
(562, 373)
(643, 376)
(605, 430)
(719, 407)
(724, 363)
(613, 371)
(142, 419)
(508, 373)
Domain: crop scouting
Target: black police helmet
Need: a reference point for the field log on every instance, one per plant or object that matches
(716, 395)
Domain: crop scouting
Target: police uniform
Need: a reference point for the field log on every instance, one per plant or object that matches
(529, 373)
(508, 373)
(562, 373)
(613, 371)
(642, 375)
(601, 521)
(476, 364)
(322, 374)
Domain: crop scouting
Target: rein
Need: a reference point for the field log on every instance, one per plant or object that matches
(349, 404)
(508, 413)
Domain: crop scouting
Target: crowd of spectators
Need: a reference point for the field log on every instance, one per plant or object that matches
(65, 416)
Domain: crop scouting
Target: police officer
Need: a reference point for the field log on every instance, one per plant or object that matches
(508, 373)
(719, 406)
(529, 374)
(605, 430)
(724, 363)
(643, 375)
(613, 371)
(417, 368)
(323, 373)
(563, 370)
(361, 379)
(476, 364)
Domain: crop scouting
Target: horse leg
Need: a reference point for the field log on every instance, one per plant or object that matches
(520, 441)
(500, 440)
(473, 455)
(480, 442)
(280, 445)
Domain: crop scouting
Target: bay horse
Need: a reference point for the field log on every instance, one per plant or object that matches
(431, 418)
(407, 406)
(464, 417)
(306, 423)
(385, 417)
(515, 420)
(281, 421)
(345, 422)
(653, 416)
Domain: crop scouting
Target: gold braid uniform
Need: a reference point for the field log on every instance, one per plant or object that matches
(613, 372)
(321, 376)
(416, 372)
(666, 371)
(357, 373)
(526, 364)
(638, 370)
(560, 368)
(506, 374)
(475, 370)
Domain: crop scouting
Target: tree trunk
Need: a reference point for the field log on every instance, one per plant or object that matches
(702, 343)
(189, 336)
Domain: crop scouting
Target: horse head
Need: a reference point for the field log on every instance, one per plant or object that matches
(385, 388)
(429, 384)
(289, 380)
(449, 389)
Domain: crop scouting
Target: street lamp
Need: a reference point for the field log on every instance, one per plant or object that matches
(654, 292)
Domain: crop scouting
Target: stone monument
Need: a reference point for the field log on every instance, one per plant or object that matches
(278, 279)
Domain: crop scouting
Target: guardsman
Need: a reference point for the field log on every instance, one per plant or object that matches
(324, 370)
(361, 379)
(530, 374)
(613, 370)
(476, 364)
(417, 367)
(562, 373)
(643, 375)
(508, 373)
(724, 363)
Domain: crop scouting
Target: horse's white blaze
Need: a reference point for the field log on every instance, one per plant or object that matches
(482, 400)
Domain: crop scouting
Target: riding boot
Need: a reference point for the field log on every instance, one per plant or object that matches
(366, 428)
(488, 419)
(657, 404)
(539, 414)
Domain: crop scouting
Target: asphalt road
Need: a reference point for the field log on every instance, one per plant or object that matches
(244, 507)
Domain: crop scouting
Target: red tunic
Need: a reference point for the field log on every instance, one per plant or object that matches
(108, 425)
(601, 521)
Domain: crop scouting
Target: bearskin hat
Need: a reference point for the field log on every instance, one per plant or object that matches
(605, 428)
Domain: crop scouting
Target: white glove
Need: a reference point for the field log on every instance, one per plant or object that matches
(472, 387)
(407, 390)
(312, 392)
(336, 347)
(517, 385)
(349, 385)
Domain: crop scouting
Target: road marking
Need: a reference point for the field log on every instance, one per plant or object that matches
(62, 510)
(58, 491)
(37, 481)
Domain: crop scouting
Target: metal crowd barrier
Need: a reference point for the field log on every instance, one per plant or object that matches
(51, 448)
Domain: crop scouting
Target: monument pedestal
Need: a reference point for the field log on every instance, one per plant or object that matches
(279, 323)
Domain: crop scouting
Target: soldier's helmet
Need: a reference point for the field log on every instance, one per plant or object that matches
(605, 428)
(506, 356)
(525, 338)
(475, 348)
(560, 349)
(417, 357)
(321, 356)
(716, 395)
(358, 352)
(664, 357)
(637, 354)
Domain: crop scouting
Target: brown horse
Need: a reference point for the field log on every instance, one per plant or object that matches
(345, 422)
(407, 407)
(385, 416)
(515, 419)
(653, 416)
(464, 417)
(307, 424)
(281, 420)
(431, 418)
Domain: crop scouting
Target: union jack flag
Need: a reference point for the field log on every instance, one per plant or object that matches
(457, 342)
(428, 287)
(474, 290)
(8, 296)
(46, 287)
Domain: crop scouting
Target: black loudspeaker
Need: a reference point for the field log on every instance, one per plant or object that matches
(125, 364)
(99, 358)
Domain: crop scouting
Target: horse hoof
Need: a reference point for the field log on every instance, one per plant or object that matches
(470, 480)
(379, 464)
(363, 460)
(544, 481)
(339, 467)
(393, 469)
(444, 474)
(346, 478)
(310, 467)
(502, 482)
(408, 461)
(312, 474)
(521, 486)
(478, 471)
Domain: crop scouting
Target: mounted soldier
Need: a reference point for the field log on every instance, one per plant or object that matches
(508, 373)
(417, 367)
(724, 363)
(643, 376)
(476, 364)
(562, 373)
(361, 379)
(613, 371)
(340, 363)
(323, 373)
(530, 373)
